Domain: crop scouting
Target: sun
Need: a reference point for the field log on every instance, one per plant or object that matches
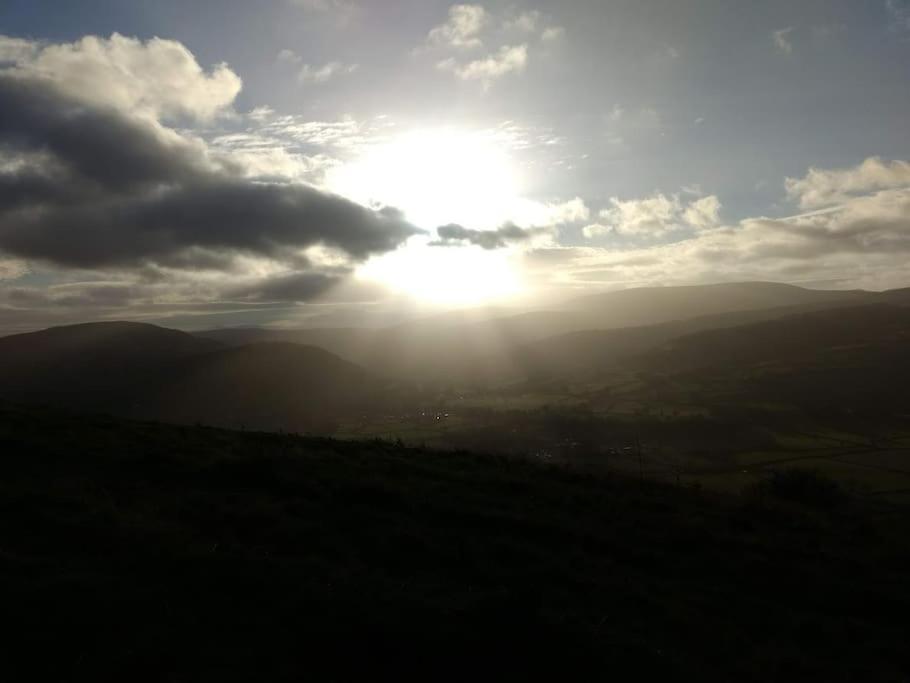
(437, 177)
(446, 276)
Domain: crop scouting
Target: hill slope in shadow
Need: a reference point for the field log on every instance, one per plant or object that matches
(271, 385)
(147, 371)
(96, 365)
(135, 551)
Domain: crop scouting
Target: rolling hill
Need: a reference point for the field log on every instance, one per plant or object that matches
(852, 361)
(654, 305)
(474, 349)
(95, 365)
(142, 370)
(272, 385)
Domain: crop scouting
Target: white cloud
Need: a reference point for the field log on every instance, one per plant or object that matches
(462, 29)
(821, 188)
(703, 213)
(322, 74)
(288, 57)
(509, 59)
(862, 242)
(781, 40)
(14, 50)
(655, 216)
(260, 114)
(573, 211)
(552, 34)
(159, 79)
(267, 158)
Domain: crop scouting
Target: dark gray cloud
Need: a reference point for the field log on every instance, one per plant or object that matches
(455, 235)
(286, 288)
(95, 187)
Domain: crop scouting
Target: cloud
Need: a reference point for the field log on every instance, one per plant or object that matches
(781, 40)
(655, 217)
(509, 59)
(322, 74)
(863, 241)
(573, 211)
(461, 29)
(287, 56)
(703, 213)
(821, 188)
(552, 33)
(313, 73)
(159, 79)
(103, 183)
(267, 158)
(10, 269)
(13, 50)
(286, 287)
(261, 114)
(456, 235)
(471, 26)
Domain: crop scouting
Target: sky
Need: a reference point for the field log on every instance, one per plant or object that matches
(299, 162)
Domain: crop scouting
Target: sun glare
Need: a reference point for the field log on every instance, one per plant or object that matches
(436, 177)
(446, 276)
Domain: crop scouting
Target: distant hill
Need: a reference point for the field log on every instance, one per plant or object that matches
(791, 339)
(471, 348)
(854, 360)
(592, 351)
(93, 364)
(590, 332)
(142, 370)
(272, 385)
(437, 349)
(653, 305)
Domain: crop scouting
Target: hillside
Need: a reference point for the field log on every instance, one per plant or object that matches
(143, 552)
(852, 360)
(96, 365)
(145, 371)
(792, 338)
(592, 351)
(653, 305)
(477, 349)
(272, 385)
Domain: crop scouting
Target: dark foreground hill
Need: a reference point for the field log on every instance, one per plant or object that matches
(143, 552)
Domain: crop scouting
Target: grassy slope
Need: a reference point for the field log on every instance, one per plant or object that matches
(134, 551)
